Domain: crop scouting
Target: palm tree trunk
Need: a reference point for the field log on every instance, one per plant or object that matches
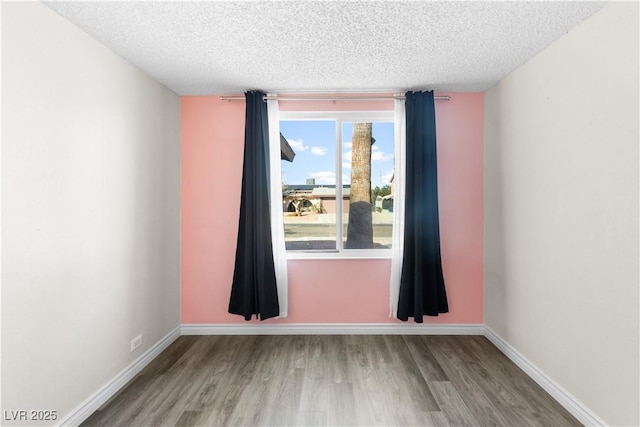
(360, 227)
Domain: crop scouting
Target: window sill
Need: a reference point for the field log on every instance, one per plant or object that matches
(345, 255)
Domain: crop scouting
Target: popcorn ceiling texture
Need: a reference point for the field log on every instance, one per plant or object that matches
(221, 47)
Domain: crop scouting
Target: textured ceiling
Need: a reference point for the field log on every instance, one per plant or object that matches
(220, 47)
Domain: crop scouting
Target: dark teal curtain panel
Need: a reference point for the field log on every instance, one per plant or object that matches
(422, 290)
(254, 290)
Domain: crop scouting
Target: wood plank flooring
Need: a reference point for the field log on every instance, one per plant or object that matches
(327, 380)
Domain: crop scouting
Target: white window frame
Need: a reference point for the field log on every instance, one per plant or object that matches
(340, 117)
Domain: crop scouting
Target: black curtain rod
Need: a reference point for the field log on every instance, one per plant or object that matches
(327, 98)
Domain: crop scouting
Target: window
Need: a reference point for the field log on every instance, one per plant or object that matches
(337, 182)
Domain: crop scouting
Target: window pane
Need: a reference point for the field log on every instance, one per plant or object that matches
(309, 184)
(367, 170)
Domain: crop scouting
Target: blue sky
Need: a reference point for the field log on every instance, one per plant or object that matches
(314, 142)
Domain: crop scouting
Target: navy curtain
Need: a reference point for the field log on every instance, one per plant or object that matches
(253, 290)
(422, 290)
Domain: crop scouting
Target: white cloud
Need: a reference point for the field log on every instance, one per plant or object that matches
(346, 159)
(386, 178)
(376, 156)
(379, 156)
(323, 177)
(318, 151)
(297, 145)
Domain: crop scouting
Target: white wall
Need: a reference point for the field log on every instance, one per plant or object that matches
(561, 209)
(90, 211)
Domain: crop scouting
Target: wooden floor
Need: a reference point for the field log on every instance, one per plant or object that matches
(332, 380)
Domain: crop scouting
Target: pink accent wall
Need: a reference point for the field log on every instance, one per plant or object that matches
(323, 291)
(344, 105)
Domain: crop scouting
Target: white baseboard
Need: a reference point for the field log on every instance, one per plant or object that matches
(566, 399)
(97, 399)
(559, 393)
(333, 329)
